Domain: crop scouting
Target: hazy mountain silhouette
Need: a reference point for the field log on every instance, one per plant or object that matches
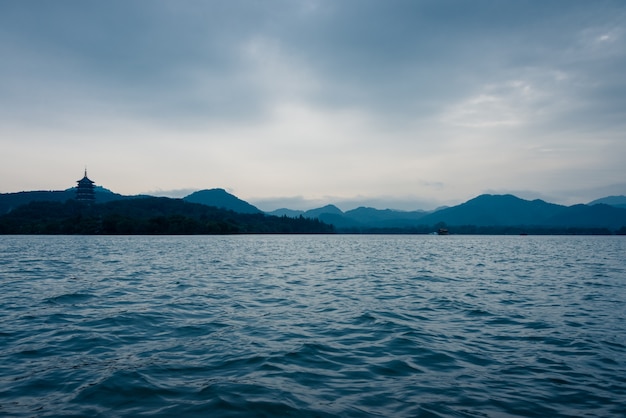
(331, 214)
(482, 211)
(363, 217)
(220, 198)
(291, 213)
(501, 210)
(617, 201)
(495, 210)
(386, 218)
(328, 209)
(600, 215)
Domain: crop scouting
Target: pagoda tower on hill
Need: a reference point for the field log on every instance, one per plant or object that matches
(85, 190)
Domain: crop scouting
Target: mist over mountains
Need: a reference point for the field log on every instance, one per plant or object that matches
(617, 201)
(482, 214)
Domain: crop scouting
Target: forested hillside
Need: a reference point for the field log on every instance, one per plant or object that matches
(150, 215)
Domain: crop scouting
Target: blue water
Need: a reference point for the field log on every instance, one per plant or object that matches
(313, 326)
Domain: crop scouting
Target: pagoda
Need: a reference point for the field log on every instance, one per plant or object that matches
(85, 190)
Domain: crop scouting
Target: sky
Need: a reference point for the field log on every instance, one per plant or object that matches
(402, 104)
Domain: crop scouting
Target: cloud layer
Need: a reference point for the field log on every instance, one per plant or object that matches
(430, 101)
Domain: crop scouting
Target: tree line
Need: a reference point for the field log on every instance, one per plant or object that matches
(148, 216)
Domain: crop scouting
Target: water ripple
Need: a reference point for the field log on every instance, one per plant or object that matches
(313, 326)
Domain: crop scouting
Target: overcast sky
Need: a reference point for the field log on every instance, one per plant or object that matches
(401, 104)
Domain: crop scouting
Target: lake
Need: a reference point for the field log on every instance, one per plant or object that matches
(313, 326)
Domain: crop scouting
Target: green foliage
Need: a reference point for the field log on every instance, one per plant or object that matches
(147, 216)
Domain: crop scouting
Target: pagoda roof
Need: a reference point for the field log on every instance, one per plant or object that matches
(85, 179)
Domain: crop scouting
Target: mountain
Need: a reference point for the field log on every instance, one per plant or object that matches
(220, 198)
(494, 210)
(386, 218)
(617, 201)
(215, 197)
(328, 209)
(149, 215)
(599, 215)
(331, 214)
(482, 214)
(508, 210)
(360, 219)
(290, 213)
(10, 201)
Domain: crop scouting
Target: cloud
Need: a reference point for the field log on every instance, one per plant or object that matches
(314, 98)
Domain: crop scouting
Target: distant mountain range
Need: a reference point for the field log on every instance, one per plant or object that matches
(485, 213)
(501, 210)
(359, 218)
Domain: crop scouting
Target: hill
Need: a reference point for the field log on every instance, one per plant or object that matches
(328, 209)
(482, 214)
(292, 213)
(149, 215)
(617, 201)
(386, 218)
(10, 201)
(485, 214)
(220, 198)
(495, 210)
(364, 219)
(508, 210)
